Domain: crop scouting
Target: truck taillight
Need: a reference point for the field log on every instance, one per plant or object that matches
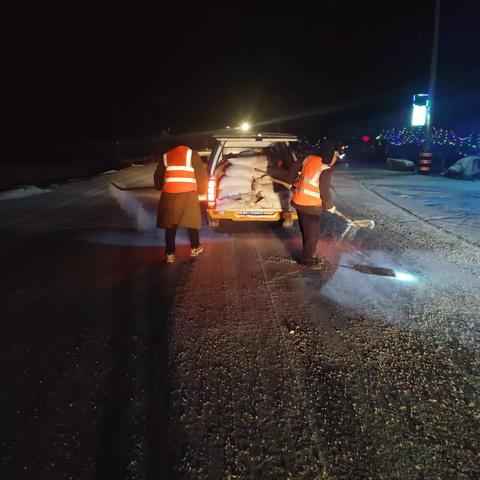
(211, 192)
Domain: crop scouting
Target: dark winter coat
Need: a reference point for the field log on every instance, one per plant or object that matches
(181, 209)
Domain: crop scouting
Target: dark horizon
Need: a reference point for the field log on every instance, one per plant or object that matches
(109, 74)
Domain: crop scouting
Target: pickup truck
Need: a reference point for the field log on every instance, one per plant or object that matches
(268, 199)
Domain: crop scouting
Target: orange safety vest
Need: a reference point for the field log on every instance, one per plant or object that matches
(179, 174)
(307, 187)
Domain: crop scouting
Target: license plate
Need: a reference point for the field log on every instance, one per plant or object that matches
(256, 214)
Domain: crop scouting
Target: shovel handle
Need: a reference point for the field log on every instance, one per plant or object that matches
(343, 217)
(274, 180)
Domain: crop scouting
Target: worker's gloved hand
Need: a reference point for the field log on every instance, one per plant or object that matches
(331, 210)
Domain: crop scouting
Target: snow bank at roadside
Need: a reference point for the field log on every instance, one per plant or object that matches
(22, 192)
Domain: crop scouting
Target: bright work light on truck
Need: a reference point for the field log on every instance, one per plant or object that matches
(245, 126)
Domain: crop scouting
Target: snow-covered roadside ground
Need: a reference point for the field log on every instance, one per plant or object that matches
(238, 362)
(331, 373)
(449, 204)
(22, 192)
(428, 229)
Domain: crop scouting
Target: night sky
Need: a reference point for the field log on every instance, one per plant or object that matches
(92, 72)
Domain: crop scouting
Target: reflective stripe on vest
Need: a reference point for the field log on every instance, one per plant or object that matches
(180, 169)
(309, 192)
(189, 158)
(179, 174)
(312, 181)
(179, 179)
(307, 189)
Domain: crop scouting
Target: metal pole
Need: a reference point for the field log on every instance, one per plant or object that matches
(426, 155)
(433, 78)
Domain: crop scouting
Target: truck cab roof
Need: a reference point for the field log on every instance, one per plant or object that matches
(238, 141)
(254, 139)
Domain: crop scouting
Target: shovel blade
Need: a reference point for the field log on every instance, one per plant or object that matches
(384, 272)
(363, 223)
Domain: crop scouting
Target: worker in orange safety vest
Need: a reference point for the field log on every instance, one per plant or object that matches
(181, 176)
(312, 195)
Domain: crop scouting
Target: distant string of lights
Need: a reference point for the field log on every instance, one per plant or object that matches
(469, 144)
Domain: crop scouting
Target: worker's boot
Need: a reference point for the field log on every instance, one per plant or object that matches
(311, 263)
(195, 252)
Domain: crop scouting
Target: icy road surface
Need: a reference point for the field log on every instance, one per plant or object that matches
(239, 364)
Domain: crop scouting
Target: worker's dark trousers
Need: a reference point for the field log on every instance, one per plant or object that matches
(310, 227)
(170, 234)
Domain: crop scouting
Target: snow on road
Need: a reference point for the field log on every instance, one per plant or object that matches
(453, 205)
(238, 363)
(22, 192)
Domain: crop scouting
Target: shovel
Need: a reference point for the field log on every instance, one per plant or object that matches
(353, 226)
(371, 270)
(274, 180)
(125, 189)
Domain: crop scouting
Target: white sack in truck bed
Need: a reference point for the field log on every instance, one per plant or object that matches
(230, 186)
(257, 200)
(254, 161)
(242, 187)
(242, 171)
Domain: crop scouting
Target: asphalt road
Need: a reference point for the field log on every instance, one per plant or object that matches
(239, 363)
